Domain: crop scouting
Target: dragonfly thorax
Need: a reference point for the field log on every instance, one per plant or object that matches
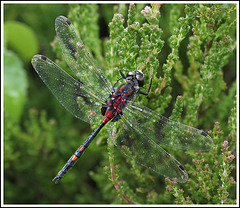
(113, 109)
(117, 101)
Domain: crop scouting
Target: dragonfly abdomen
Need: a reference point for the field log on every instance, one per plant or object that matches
(72, 161)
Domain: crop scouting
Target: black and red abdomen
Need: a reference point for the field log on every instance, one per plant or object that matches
(118, 101)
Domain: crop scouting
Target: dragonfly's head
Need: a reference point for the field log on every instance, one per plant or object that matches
(136, 76)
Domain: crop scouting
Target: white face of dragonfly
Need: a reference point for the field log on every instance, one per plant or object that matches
(135, 76)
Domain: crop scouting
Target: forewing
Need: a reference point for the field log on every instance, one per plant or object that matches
(134, 143)
(78, 59)
(79, 100)
(168, 132)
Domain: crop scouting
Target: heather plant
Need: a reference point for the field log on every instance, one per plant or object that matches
(189, 52)
(132, 46)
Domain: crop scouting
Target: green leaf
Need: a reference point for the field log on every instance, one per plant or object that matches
(15, 85)
(21, 39)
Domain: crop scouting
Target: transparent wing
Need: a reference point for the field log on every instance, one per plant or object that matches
(167, 132)
(79, 60)
(77, 98)
(137, 145)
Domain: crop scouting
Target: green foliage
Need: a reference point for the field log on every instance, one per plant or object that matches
(212, 172)
(134, 47)
(189, 52)
(21, 38)
(89, 30)
(37, 139)
(15, 85)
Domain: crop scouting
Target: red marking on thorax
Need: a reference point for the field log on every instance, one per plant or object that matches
(128, 93)
(117, 102)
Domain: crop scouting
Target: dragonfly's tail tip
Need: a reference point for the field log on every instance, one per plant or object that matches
(56, 179)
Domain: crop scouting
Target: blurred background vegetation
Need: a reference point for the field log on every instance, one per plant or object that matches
(40, 135)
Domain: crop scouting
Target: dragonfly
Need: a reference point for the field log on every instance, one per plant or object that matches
(136, 130)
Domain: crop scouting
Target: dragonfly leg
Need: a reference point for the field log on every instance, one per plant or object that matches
(146, 93)
(104, 109)
(122, 77)
(115, 84)
(121, 72)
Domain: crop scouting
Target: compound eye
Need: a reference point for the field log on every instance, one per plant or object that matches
(139, 74)
(140, 78)
(140, 82)
(131, 73)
